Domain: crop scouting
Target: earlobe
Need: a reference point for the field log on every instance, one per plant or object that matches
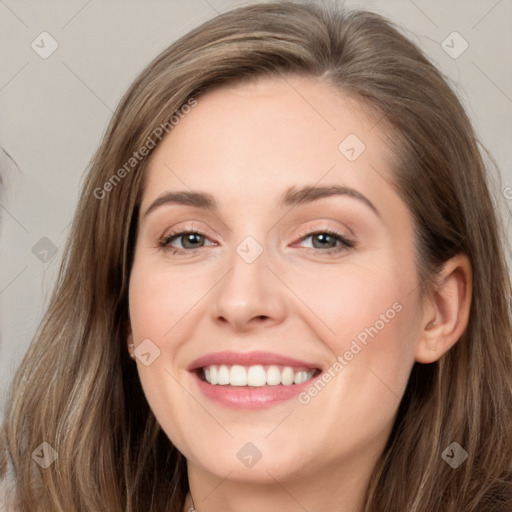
(129, 341)
(446, 318)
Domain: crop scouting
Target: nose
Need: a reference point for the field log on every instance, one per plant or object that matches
(249, 295)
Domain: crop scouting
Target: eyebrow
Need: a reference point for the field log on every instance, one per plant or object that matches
(294, 196)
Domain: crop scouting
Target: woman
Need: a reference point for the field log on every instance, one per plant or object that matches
(262, 369)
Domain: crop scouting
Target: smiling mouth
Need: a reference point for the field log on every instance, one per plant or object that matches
(255, 375)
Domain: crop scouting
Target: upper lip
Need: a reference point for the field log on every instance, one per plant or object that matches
(229, 358)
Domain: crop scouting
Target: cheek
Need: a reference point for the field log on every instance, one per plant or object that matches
(364, 301)
(158, 300)
(367, 316)
(372, 360)
(160, 297)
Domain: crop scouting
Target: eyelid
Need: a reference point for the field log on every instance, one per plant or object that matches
(346, 242)
(181, 230)
(175, 233)
(322, 226)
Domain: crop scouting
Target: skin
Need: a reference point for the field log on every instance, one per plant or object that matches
(246, 144)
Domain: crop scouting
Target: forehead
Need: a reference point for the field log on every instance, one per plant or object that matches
(251, 139)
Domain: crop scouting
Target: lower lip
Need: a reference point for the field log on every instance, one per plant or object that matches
(242, 397)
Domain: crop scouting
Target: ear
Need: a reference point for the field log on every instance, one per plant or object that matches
(446, 316)
(129, 341)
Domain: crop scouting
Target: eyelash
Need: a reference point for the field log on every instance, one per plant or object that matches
(345, 244)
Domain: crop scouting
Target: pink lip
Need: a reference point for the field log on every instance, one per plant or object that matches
(249, 397)
(229, 357)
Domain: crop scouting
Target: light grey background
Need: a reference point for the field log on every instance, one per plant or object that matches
(54, 111)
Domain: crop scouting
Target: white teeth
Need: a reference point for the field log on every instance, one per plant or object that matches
(300, 377)
(223, 375)
(273, 376)
(214, 375)
(255, 376)
(238, 376)
(287, 376)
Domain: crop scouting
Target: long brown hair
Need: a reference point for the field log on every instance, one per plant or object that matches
(77, 389)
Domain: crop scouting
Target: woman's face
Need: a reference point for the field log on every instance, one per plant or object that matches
(294, 293)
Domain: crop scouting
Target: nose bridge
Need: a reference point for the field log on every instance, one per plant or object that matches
(248, 280)
(249, 290)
